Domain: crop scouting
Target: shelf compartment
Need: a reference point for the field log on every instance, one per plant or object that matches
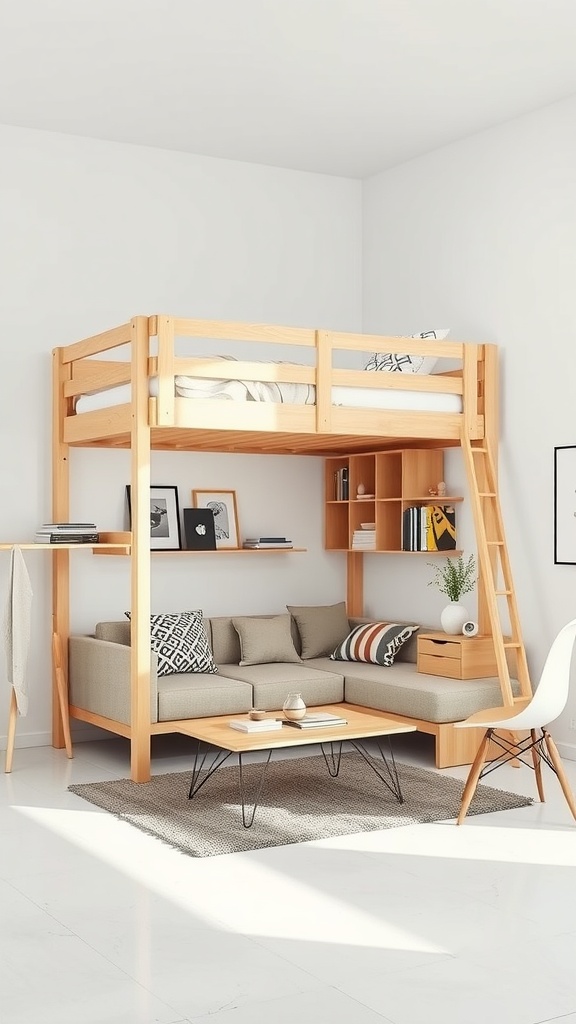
(389, 475)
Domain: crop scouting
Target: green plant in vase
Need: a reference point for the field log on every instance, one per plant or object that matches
(455, 577)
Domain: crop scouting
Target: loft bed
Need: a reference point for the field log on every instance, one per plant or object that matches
(149, 401)
(327, 410)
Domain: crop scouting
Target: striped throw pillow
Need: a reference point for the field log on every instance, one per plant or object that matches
(377, 643)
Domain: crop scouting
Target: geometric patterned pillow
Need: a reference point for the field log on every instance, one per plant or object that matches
(377, 643)
(181, 643)
(401, 362)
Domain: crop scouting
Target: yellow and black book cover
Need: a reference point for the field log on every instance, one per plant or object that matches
(440, 528)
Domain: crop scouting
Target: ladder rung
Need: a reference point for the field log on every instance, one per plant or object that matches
(479, 450)
(486, 494)
(502, 593)
(497, 543)
(515, 644)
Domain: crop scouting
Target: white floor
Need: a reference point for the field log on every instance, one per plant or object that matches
(427, 924)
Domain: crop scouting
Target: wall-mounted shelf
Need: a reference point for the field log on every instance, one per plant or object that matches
(119, 550)
(117, 543)
(392, 482)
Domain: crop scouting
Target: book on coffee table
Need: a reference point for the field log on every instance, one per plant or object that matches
(247, 725)
(317, 720)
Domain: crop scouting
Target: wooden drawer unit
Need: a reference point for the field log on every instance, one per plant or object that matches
(458, 657)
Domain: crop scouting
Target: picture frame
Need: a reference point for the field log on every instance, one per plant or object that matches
(223, 505)
(164, 517)
(565, 504)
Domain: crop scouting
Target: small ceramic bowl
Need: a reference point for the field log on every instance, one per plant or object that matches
(368, 526)
(256, 716)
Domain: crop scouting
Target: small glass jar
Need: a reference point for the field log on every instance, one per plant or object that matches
(294, 707)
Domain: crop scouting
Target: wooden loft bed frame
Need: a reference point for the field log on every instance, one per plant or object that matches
(172, 423)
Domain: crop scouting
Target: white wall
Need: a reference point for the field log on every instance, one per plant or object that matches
(92, 233)
(480, 236)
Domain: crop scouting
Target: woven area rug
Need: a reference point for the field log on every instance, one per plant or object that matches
(300, 801)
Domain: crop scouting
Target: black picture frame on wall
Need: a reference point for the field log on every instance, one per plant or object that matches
(164, 517)
(565, 504)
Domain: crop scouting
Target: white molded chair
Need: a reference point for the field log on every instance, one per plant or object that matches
(532, 717)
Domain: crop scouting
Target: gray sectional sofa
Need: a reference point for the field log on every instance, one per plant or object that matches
(99, 683)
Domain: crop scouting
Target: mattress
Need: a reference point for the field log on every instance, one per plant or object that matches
(355, 398)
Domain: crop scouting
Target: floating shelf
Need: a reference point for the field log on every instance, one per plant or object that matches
(108, 549)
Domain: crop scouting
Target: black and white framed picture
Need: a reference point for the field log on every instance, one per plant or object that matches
(164, 518)
(199, 529)
(223, 505)
(565, 505)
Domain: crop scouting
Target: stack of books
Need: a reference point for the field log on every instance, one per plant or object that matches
(429, 528)
(262, 725)
(268, 542)
(364, 540)
(317, 720)
(67, 533)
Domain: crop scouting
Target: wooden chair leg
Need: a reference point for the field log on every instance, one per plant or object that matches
(474, 775)
(13, 715)
(537, 762)
(559, 769)
(62, 692)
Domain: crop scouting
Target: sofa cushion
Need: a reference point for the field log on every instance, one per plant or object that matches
(272, 683)
(402, 690)
(321, 627)
(226, 642)
(115, 632)
(181, 643)
(377, 643)
(263, 641)
(184, 695)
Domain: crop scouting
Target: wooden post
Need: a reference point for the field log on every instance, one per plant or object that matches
(355, 583)
(140, 559)
(60, 558)
(491, 436)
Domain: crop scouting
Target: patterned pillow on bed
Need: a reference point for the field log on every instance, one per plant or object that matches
(181, 643)
(377, 643)
(401, 362)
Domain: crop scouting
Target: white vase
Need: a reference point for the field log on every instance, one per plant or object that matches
(294, 707)
(453, 617)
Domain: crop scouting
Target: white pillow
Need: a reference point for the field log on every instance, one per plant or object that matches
(401, 362)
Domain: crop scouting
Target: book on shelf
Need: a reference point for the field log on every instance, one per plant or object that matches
(441, 535)
(317, 720)
(429, 528)
(69, 529)
(66, 538)
(263, 725)
(267, 540)
(268, 544)
(364, 540)
(341, 487)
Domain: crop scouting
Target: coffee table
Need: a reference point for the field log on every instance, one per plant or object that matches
(361, 724)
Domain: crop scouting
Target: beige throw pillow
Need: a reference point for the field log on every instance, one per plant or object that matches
(321, 627)
(265, 640)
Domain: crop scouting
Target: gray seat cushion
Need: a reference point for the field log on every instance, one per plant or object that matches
(201, 695)
(402, 690)
(272, 683)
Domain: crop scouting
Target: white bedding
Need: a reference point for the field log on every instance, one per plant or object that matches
(304, 394)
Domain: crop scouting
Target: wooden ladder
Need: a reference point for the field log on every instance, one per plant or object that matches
(495, 567)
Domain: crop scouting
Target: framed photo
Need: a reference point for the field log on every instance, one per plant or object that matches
(223, 505)
(164, 518)
(565, 505)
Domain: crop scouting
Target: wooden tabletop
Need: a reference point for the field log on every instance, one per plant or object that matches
(361, 724)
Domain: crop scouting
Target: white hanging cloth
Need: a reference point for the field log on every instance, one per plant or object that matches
(17, 627)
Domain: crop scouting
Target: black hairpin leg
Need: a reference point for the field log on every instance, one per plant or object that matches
(390, 777)
(332, 753)
(248, 818)
(200, 773)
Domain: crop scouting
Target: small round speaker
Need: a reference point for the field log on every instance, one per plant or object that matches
(470, 628)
